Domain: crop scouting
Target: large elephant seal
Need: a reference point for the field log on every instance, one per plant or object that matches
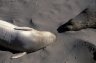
(23, 39)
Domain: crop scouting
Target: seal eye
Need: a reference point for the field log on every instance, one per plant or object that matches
(23, 28)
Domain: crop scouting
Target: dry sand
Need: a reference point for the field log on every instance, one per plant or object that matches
(70, 47)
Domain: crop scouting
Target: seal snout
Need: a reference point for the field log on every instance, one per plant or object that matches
(49, 37)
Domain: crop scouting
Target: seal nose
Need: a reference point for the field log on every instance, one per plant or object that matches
(52, 37)
(49, 37)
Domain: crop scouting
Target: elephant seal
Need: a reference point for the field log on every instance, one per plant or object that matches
(24, 39)
(87, 19)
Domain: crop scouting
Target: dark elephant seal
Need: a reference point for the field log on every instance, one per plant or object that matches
(87, 19)
(24, 39)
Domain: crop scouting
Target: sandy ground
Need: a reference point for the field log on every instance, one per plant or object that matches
(70, 47)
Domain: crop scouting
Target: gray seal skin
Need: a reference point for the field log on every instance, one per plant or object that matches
(24, 39)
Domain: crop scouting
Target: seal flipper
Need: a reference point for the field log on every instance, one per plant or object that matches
(18, 55)
(23, 28)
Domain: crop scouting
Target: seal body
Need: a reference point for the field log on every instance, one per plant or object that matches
(24, 39)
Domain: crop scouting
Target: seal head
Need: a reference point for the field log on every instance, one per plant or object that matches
(24, 39)
(33, 39)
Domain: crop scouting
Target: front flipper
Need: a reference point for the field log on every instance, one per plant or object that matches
(23, 28)
(18, 55)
